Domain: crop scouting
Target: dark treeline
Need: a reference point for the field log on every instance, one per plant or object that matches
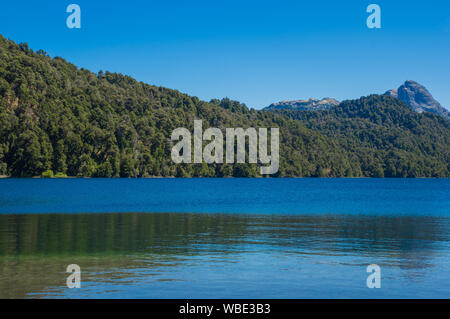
(58, 119)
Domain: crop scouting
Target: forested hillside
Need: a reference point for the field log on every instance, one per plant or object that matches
(59, 118)
(385, 136)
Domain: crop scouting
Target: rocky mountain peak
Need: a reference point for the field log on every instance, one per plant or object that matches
(418, 98)
(309, 104)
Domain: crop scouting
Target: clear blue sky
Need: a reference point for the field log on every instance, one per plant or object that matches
(257, 52)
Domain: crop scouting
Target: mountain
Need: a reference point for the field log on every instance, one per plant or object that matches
(418, 98)
(411, 92)
(55, 117)
(384, 136)
(310, 104)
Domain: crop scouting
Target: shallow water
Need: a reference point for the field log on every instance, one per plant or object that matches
(225, 238)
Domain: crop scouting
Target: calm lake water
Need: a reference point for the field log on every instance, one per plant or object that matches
(225, 238)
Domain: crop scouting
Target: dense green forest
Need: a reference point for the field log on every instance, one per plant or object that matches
(58, 119)
(384, 136)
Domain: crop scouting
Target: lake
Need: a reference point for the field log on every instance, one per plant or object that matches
(225, 238)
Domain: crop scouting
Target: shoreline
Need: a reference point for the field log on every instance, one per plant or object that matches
(225, 177)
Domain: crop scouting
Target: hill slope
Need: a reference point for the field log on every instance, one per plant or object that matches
(385, 136)
(54, 116)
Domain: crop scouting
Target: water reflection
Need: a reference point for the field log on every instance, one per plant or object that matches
(133, 249)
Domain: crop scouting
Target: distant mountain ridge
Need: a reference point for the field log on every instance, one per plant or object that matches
(309, 104)
(418, 98)
(412, 93)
